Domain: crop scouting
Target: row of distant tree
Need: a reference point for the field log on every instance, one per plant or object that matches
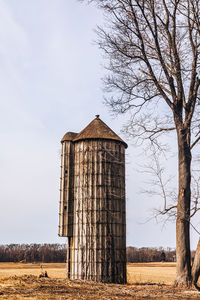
(33, 253)
(150, 254)
(57, 253)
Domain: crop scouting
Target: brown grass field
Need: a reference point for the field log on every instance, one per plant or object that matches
(145, 281)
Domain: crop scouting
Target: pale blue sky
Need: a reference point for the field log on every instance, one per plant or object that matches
(50, 83)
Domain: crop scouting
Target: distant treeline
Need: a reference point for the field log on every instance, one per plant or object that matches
(33, 253)
(150, 254)
(57, 253)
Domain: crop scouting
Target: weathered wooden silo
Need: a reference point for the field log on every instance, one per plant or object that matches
(92, 203)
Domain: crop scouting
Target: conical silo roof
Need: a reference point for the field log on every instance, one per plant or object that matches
(97, 129)
(69, 136)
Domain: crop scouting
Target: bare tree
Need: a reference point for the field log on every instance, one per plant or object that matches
(153, 49)
(160, 186)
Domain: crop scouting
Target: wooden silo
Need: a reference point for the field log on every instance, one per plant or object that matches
(92, 203)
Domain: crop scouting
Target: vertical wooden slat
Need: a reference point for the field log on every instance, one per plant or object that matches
(99, 235)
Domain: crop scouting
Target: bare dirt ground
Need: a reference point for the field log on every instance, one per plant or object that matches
(145, 281)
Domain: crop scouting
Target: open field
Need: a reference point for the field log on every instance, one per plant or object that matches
(145, 281)
(161, 273)
(54, 270)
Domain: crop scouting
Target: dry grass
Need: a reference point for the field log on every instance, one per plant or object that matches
(54, 270)
(137, 273)
(21, 281)
(160, 273)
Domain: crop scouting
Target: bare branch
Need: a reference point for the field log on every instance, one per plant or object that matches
(195, 142)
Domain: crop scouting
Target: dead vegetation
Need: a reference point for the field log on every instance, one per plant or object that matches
(30, 286)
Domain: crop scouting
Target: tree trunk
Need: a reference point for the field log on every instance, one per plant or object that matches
(196, 266)
(183, 265)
